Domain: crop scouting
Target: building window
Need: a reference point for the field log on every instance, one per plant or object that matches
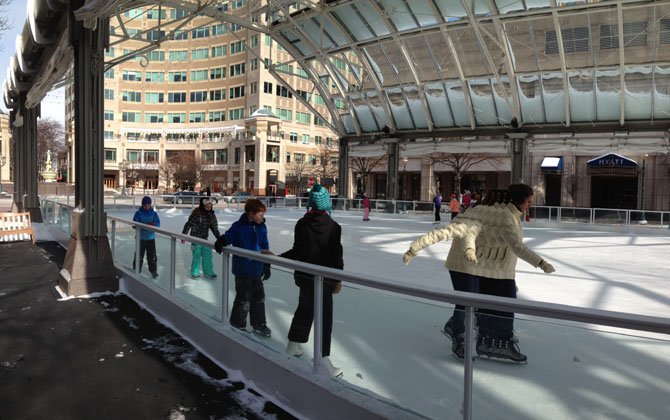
(303, 117)
(236, 114)
(110, 155)
(199, 96)
(128, 96)
(109, 94)
(134, 155)
(283, 92)
(253, 64)
(253, 88)
(219, 51)
(109, 115)
(208, 157)
(200, 33)
(131, 116)
(198, 75)
(237, 69)
(176, 97)
(217, 95)
(215, 116)
(200, 54)
(219, 29)
(153, 117)
(285, 114)
(293, 137)
(154, 76)
(217, 73)
(176, 117)
(267, 87)
(109, 135)
(237, 47)
(196, 117)
(180, 55)
(236, 92)
(154, 97)
(132, 76)
(222, 156)
(177, 76)
(305, 139)
(574, 40)
(151, 156)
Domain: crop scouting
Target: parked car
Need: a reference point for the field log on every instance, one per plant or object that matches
(238, 197)
(180, 197)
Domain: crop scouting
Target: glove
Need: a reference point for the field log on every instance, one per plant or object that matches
(546, 267)
(183, 241)
(267, 272)
(337, 287)
(408, 256)
(470, 255)
(220, 243)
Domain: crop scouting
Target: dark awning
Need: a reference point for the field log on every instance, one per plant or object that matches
(611, 160)
(552, 164)
(611, 164)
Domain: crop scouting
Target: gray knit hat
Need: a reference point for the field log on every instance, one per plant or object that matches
(319, 199)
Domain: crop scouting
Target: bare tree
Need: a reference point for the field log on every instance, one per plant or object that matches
(296, 175)
(5, 25)
(460, 163)
(166, 171)
(325, 164)
(186, 168)
(50, 137)
(364, 166)
(129, 174)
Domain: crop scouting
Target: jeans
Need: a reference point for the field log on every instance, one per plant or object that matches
(462, 282)
(496, 324)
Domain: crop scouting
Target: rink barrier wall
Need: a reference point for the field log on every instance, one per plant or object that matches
(271, 372)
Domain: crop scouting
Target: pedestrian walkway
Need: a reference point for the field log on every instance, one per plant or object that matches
(101, 357)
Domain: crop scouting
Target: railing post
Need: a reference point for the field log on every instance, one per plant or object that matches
(137, 250)
(113, 238)
(225, 278)
(318, 320)
(173, 265)
(469, 362)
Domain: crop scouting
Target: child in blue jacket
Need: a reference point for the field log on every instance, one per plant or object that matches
(147, 215)
(249, 232)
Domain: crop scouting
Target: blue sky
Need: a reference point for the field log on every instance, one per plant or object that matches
(53, 104)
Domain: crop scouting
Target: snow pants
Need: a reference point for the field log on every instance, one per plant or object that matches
(201, 254)
(249, 300)
(149, 247)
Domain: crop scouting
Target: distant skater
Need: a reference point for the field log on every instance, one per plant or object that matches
(366, 207)
(437, 201)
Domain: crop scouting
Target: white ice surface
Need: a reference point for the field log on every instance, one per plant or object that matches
(393, 346)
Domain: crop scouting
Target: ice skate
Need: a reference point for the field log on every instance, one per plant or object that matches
(294, 349)
(333, 371)
(262, 330)
(501, 349)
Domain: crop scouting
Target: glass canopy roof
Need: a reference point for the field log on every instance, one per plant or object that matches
(433, 65)
(430, 67)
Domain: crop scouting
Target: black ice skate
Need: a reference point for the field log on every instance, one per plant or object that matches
(501, 349)
(458, 347)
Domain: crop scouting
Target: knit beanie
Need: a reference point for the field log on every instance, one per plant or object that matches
(319, 199)
(146, 200)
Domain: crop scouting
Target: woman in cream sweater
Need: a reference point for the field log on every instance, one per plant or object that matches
(488, 240)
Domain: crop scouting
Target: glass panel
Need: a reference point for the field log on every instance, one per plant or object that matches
(195, 285)
(554, 97)
(355, 25)
(482, 102)
(124, 246)
(662, 92)
(608, 94)
(574, 371)
(582, 98)
(638, 93)
(530, 97)
(439, 105)
(397, 12)
(459, 107)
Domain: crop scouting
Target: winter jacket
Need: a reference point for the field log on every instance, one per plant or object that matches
(317, 240)
(148, 217)
(248, 235)
(437, 201)
(200, 222)
(493, 232)
(366, 203)
(454, 205)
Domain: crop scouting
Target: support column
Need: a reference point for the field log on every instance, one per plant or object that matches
(88, 265)
(19, 160)
(30, 199)
(343, 185)
(392, 170)
(518, 155)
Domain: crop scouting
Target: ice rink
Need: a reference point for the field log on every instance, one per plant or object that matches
(393, 346)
